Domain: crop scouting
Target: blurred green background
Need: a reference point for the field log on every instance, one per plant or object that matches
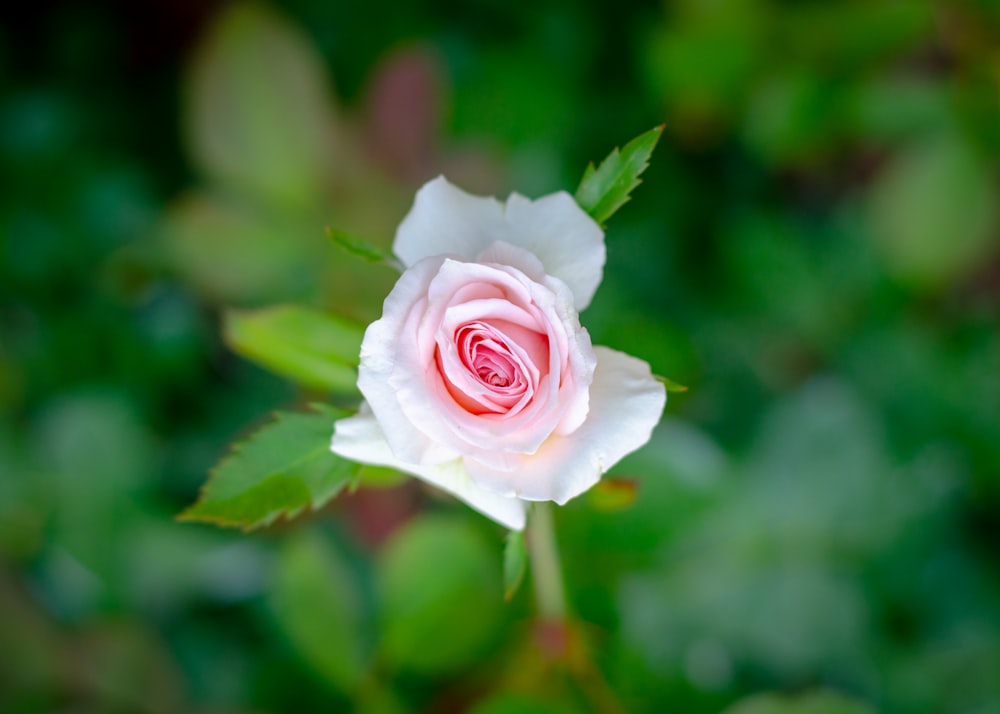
(814, 252)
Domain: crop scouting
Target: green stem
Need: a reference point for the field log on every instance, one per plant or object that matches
(545, 569)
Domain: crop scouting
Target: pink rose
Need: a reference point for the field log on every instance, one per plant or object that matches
(478, 378)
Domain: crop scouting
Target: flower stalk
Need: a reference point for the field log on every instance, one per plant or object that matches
(546, 570)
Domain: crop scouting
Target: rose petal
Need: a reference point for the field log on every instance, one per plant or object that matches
(379, 354)
(625, 404)
(360, 438)
(502, 253)
(569, 243)
(481, 349)
(417, 389)
(445, 220)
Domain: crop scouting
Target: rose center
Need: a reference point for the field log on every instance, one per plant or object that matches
(491, 362)
(490, 366)
(487, 355)
(493, 378)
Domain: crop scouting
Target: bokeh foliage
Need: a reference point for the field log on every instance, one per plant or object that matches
(814, 251)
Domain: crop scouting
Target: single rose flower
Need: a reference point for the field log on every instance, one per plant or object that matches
(478, 377)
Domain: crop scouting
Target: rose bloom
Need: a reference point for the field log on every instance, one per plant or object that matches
(478, 378)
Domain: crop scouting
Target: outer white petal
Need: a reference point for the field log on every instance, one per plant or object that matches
(360, 438)
(625, 404)
(379, 353)
(569, 243)
(446, 220)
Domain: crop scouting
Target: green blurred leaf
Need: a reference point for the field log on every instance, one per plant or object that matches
(441, 595)
(514, 99)
(515, 563)
(317, 604)
(793, 278)
(29, 659)
(701, 63)
(281, 469)
(306, 345)
(817, 703)
(359, 247)
(816, 492)
(934, 212)
(795, 117)
(851, 36)
(888, 109)
(509, 703)
(259, 116)
(235, 253)
(97, 453)
(124, 666)
(381, 701)
(604, 190)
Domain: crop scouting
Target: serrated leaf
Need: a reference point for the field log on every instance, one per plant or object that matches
(308, 346)
(604, 190)
(515, 562)
(282, 469)
(671, 385)
(357, 246)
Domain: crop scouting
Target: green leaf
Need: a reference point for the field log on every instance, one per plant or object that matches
(259, 116)
(308, 346)
(441, 596)
(671, 385)
(317, 604)
(280, 470)
(517, 703)
(814, 703)
(357, 246)
(934, 213)
(97, 453)
(515, 562)
(234, 252)
(604, 190)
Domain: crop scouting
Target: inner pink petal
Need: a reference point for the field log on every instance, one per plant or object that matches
(478, 370)
(466, 390)
(486, 354)
(477, 291)
(530, 345)
(495, 368)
